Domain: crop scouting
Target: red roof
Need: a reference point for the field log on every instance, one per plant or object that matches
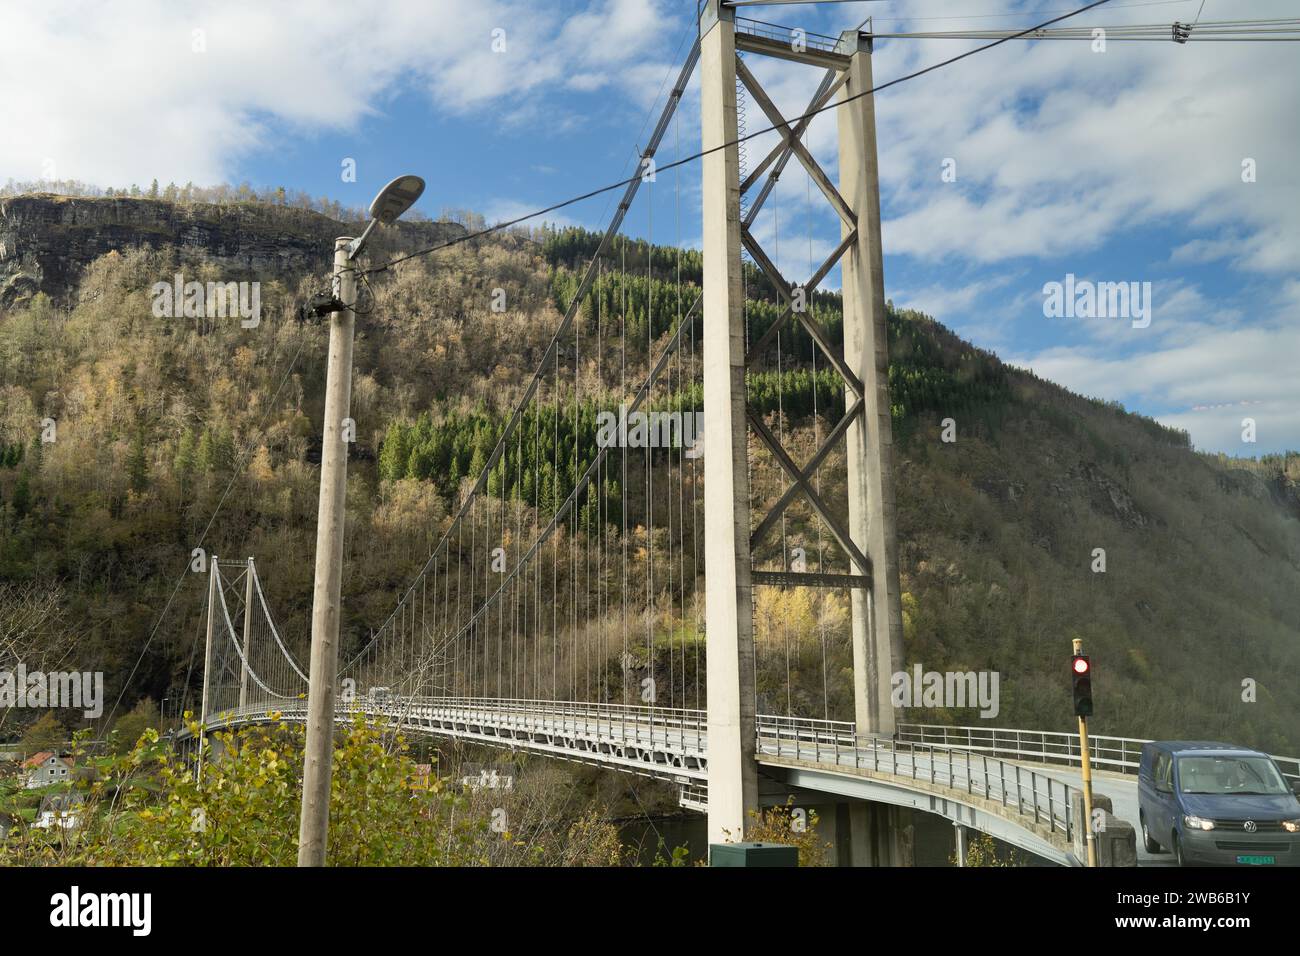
(35, 760)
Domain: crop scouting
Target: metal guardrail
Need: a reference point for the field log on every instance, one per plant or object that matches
(1031, 794)
(667, 730)
(979, 761)
(525, 704)
(774, 31)
(955, 765)
(1122, 754)
(622, 723)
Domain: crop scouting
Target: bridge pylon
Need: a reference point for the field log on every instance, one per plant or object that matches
(867, 540)
(247, 668)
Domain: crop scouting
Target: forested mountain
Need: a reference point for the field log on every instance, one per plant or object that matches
(162, 422)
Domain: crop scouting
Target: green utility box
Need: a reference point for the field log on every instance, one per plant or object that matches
(753, 854)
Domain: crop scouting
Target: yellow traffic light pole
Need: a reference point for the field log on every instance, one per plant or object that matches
(1086, 760)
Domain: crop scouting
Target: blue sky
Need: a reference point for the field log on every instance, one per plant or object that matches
(1115, 165)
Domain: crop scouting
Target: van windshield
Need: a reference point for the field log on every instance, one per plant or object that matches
(1230, 775)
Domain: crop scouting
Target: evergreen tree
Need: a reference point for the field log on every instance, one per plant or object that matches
(477, 462)
(204, 455)
(394, 453)
(184, 461)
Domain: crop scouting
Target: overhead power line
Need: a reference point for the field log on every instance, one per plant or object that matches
(780, 3)
(631, 185)
(1220, 30)
(1011, 14)
(554, 207)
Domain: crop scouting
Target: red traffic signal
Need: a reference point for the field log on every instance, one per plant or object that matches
(1081, 685)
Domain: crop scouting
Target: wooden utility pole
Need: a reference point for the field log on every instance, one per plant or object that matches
(313, 827)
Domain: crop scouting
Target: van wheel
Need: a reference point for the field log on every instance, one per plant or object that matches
(1177, 847)
(1151, 845)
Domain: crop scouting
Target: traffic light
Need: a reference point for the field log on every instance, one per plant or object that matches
(1081, 684)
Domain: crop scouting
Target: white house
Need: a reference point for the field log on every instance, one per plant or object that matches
(59, 810)
(45, 768)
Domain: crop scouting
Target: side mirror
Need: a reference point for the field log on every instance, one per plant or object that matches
(1295, 787)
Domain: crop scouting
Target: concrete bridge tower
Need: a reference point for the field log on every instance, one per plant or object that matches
(868, 540)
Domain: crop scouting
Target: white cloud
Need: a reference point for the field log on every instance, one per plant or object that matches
(1060, 150)
(1218, 367)
(947, 299)
(114, 92)
(504, 210)
(1061, 153)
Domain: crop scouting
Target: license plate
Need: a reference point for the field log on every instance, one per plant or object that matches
(1257, 860)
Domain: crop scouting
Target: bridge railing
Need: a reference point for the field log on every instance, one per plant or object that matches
(1122, 754)
(1290, 766)
(1116, 753)
(629, 723)
(626, 724)
(665, 715)
(394, 704)
(771, 31)
(1028, 792)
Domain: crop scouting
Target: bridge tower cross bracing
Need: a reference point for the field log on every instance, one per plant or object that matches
(868, 540)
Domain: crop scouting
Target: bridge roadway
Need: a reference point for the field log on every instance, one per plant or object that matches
(1024, 804)
(1018, 785)
(1122, 789)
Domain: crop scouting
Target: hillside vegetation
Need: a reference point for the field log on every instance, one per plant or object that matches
(162, 421)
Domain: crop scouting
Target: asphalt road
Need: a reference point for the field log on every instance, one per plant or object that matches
(1123, 792)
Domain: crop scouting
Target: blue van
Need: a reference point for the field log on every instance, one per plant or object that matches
(1216, 804)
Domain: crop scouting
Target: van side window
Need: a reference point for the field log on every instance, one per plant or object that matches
(1164, 773)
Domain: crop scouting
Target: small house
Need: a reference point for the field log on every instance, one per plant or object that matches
(45, 768)
(62, 810)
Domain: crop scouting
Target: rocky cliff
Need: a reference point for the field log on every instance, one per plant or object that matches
(46, 240)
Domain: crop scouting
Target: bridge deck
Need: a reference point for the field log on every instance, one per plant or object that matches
(1022, 804)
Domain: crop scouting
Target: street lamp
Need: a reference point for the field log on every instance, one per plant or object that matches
(393, 200)
(313, 828)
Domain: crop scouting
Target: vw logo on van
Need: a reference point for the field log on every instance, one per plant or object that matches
(1249, 826)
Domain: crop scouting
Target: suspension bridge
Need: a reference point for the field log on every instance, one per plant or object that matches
(566, 610)
(1018, 785)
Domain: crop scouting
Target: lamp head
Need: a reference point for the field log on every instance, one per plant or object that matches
(395, 198)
